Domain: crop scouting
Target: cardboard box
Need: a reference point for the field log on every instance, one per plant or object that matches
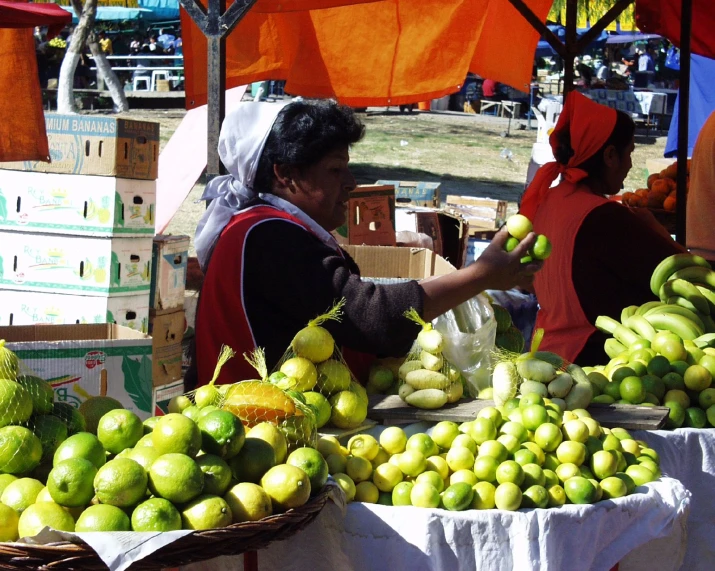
(31, 307)
(409, 193)
(77, 360)
(448, 230)
(405, 263)
(167, 331)
(477, 244)
(481, 213)
(371, 215)
(104, 146)
(76, 204)
(170, 257)
(164, 394)
(74, 264)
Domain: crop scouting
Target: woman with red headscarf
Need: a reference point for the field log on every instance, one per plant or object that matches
(603, 252)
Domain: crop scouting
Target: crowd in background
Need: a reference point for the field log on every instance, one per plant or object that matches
(160, 42)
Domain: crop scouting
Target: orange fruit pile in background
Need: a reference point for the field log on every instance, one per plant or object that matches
(660, 191)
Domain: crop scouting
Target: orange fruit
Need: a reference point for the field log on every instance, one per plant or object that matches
(643, 192)
(669, 204)
(656, 200)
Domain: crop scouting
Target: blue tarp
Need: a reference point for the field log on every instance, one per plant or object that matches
(702, 104)
(543, 49)
(161, 9)
(148, 11)
(113, 13)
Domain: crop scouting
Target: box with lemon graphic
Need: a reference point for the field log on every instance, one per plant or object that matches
(31, 307)
(76, 204)
(80, 361)
(75, 264)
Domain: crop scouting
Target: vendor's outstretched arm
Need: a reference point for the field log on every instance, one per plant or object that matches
(495, 269)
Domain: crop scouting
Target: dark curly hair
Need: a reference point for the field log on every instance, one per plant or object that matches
(620, 138)
(303, 133)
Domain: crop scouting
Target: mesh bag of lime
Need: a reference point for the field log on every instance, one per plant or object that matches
(314, 369)
(255, 401)
(32, 425)
(540, 372)
(428, 379)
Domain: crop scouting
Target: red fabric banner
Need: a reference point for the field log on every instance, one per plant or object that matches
(663, 17)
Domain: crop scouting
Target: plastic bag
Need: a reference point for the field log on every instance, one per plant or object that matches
(672, 58)
(469, 331)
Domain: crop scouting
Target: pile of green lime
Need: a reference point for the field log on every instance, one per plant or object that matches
(526, 454)
(166, 473)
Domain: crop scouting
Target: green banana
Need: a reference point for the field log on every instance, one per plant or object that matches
(682, 302)
(627, 312)
(678, 310)
(709, 323)
(550, 357)
(613, 348)
(606, 324)
(673, 264)
(686, 290)
(707, 340)
(696, 274)
(640, 325)
(683, 327)
(707, 294)
(643, 309)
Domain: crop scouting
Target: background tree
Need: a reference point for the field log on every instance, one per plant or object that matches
(84, 35)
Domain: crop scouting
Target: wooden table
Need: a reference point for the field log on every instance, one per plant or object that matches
(391, 409)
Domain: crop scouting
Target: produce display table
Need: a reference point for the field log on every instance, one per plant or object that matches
(391, 409)
(636, 530)
(689, 455)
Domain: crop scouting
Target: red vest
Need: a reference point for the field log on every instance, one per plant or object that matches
(221, 317)
(560, 215)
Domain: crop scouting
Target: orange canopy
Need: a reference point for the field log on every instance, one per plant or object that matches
(22, 122)
(371, 53)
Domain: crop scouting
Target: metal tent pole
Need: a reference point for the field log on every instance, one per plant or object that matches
(216, 23)
(686, 17)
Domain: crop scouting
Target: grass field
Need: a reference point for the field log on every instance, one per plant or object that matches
(468, 154)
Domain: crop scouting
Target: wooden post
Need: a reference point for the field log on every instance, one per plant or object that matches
(571, 44)
(686, 18)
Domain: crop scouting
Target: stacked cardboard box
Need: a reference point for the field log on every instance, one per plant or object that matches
(76, 244)
(167, 321)
(76, 233)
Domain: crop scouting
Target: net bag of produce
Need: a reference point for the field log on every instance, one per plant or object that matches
(540, 372)
(314, 369)
(255, 401)
(32, 425)
(469, 331)
(427, 378)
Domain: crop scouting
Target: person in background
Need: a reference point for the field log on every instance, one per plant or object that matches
(271, 263)
(603, 252)
(165, 41)
(105, 44)
(490, 90)
(700, 230)
(135, 46)
(645, 61)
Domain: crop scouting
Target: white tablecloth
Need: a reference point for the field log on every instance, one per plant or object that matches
(689, 455)
(374, 537)
(634, 102)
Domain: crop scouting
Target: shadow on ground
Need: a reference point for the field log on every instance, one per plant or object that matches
(367, 173)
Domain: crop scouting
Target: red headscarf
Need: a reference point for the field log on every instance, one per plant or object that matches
(590, 125)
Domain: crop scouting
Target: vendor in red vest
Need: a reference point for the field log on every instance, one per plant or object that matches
(271, 263)
(603, 252)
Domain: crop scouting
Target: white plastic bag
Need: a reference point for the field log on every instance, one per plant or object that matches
(469, 331)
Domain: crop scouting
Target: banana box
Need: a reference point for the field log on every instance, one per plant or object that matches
(31, 307)
(74, 264)
(164, 394)
(104, 146)
(168, 266)
(76, 204)
(81, 361)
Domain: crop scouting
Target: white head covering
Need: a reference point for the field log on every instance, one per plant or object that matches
(241, 142)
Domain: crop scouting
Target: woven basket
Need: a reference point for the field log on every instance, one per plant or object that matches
(198, 546)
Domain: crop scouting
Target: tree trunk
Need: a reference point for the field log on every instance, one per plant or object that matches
(65, 87)
(106, 73)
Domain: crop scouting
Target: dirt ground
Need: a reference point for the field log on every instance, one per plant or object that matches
(468, 154)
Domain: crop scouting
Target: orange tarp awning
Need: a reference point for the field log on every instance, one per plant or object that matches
(22, 121)
(376, 53)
